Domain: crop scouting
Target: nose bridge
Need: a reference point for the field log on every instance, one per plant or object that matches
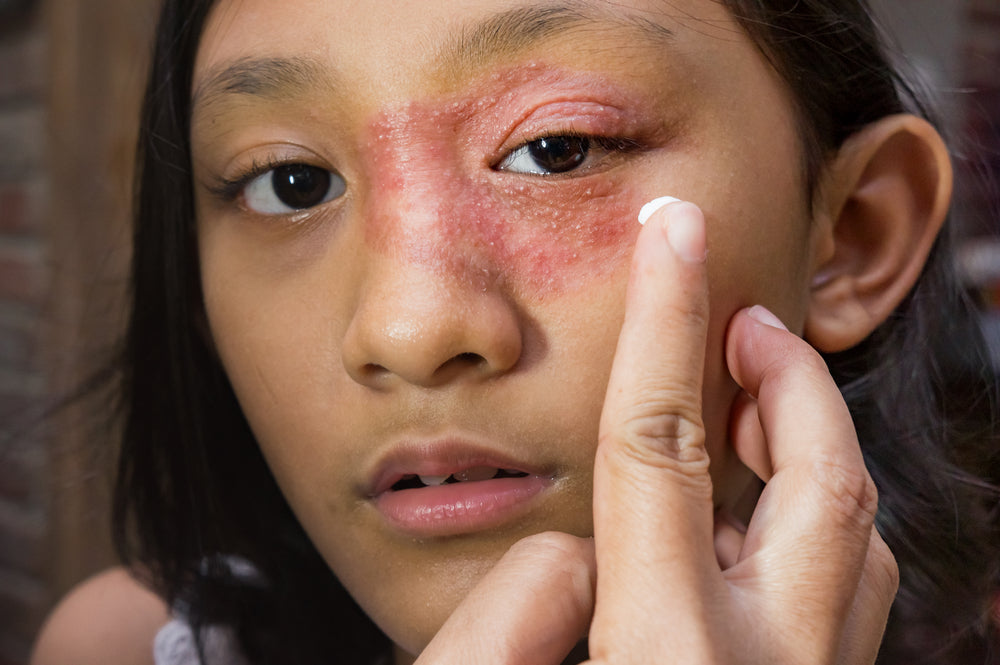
(431, 306)
(421, 205)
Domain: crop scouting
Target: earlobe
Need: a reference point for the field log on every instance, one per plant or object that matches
(886, 195)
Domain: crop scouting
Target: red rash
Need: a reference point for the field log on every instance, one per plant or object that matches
(438, 200)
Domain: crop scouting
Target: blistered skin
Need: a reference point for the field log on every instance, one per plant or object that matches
(438, 203)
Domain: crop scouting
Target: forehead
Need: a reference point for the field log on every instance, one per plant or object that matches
(388, 48)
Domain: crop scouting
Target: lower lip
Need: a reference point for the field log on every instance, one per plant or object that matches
(450, 510)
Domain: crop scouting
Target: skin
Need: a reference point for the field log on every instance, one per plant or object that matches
(441, 297)
(108, 618)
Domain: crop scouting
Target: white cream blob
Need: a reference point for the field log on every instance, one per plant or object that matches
(647, 210)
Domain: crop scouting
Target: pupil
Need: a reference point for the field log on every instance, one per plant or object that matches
(558, 154)
(300, 185)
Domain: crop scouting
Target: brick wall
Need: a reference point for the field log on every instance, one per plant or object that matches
(71, 74)
(981, 117)
(24, 188)
(978, 169)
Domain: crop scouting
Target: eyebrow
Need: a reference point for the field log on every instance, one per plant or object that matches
(268, 77)
(501, 35)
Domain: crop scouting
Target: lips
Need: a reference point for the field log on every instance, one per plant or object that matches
(451, 488)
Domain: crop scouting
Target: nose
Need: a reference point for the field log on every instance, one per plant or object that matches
(429, 326)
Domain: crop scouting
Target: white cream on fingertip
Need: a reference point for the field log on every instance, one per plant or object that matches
(647, 210)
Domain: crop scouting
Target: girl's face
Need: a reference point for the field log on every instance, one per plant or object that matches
(415, 220)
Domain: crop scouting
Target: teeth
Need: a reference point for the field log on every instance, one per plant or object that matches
(476, 473)
(431, 481)
(469, 475)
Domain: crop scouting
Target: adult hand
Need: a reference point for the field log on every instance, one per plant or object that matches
(810, 581)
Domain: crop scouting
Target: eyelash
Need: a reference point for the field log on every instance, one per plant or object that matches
(230, 189)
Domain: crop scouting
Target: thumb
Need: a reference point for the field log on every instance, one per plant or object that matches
(532, 607)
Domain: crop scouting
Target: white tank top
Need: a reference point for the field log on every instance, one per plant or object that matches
(175, 645)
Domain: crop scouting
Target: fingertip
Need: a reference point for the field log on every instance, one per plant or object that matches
(683, 225)
(751, 345)
(685, 231)
(747, 330)
(653, 206)
(728, 537)
(761, 314)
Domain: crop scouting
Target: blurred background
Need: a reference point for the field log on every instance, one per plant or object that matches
(71, 74)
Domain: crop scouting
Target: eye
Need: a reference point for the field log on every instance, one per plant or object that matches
(291, 187)
(548, 155)
(565, 153)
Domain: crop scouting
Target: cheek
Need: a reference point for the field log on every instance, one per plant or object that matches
(430, 206)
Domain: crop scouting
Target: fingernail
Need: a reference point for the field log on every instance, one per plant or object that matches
(763, 315)
(647, 210)
(686, 233)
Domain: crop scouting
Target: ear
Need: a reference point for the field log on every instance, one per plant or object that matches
(883, 200)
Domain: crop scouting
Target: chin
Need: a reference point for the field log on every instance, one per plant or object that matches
(416, 610)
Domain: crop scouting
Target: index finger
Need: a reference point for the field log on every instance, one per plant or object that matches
(652, 491)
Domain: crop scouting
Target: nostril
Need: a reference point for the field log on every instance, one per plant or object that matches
(459, 364)
(373, 371)
(468, 359)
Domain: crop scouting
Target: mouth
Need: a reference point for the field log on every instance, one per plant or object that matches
(446, 491)
(470, 475)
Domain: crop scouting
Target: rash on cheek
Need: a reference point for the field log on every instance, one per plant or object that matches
(432, 204)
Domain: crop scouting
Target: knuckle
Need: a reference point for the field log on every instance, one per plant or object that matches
(849, 490)
(663, 426)
(665, 441)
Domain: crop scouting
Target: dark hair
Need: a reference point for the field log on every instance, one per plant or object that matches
(192, 482)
